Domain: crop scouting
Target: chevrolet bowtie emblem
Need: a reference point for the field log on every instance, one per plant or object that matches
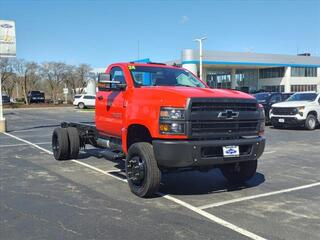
(228, 114)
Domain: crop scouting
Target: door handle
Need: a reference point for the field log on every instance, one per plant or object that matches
(100, 98)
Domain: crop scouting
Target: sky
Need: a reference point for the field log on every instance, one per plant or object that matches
(101, 32)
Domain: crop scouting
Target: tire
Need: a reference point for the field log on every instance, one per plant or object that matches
(74, 142)
(81, 105)
(311, 122)
(141, 160)
(238, 173)
(60, 144)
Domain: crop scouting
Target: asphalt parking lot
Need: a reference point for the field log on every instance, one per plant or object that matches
(88, 199)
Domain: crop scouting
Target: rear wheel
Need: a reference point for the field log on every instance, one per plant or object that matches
(81, 105)
(142, 171)
(60, 144)
(74, 142)
(239, 172)
(311, 122)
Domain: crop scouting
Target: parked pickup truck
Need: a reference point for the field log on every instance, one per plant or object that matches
(301, 109)
(266, 99)
(36, 97)
(162, 118)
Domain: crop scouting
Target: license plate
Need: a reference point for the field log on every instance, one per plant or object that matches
(231, 151)
(281, 120)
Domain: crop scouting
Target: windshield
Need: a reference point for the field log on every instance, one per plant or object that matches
(303, 97)
(159, 76)
(262, 96)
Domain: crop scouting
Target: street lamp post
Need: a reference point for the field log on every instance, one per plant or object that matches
(200, 53)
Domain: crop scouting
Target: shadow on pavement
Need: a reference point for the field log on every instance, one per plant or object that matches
(197, 183)
(185, 183)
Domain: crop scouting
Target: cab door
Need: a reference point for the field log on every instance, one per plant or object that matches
(110, 106)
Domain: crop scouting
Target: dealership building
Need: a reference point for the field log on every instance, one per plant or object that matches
(249, 71)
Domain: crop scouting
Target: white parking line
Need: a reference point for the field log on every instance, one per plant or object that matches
(27, 130)
(195, 209)
(218, 204)
(269, 152)
(23, 144)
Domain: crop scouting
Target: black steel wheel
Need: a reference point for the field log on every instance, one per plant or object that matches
(240, 172)
(142, 171)
(60, 144)
(74, 142)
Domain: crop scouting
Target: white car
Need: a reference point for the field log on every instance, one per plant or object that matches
(301, 109)
(84, 101)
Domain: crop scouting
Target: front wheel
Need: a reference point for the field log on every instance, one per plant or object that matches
(239, 172)
(142, 171)
(311, 122)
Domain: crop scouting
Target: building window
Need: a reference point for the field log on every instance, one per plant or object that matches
(303, 88)
(303, 71)
(274, 88)
(271, 72)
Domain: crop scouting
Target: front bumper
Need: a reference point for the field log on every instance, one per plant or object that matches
(288, 121)
(204, 153)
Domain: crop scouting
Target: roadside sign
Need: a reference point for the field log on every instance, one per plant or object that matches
(65, 90)
(7, 49)
(7, 38)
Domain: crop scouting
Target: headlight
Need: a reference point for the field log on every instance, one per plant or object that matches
(170, 121)
(300, 110)
(172, 128)
(261, 111)
(167, 113)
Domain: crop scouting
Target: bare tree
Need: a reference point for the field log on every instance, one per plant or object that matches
(6, 70)
(55, 73)
(10, 83)
(83, 71)
(27, 75)
(72, 79)
(52, 76)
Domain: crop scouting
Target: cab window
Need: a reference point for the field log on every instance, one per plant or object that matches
(89, 97)
(275, 98)
(117, 75)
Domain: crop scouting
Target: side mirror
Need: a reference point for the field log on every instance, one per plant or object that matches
(104, 78)
(106, 84)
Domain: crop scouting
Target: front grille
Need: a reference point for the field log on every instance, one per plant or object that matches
(284, 111)
(222, 106)
(222, 118)
(225, 128)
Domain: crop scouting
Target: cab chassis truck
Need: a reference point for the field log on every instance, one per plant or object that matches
(161, 118)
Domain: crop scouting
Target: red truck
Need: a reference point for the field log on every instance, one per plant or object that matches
(162, 118)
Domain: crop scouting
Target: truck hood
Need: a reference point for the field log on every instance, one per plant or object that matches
(292, 104)
(192, 92)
